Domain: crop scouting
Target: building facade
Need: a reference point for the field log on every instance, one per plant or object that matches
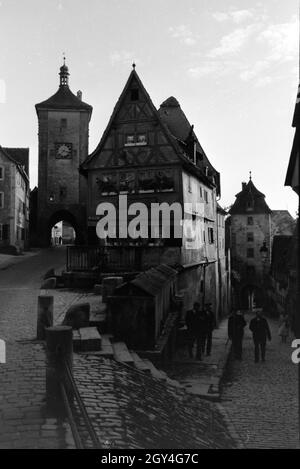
(250, 224)
(14, 199)
(280, 273)
(63, 121)
(153, 157)
(292, 180)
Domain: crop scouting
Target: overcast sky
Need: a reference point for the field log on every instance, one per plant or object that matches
(232, 65)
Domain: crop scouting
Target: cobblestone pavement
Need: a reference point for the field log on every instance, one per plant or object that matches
(132, 410)
(23, 419)
(261, 399)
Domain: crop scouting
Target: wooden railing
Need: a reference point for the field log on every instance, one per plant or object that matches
(118, 258)
(107, 259)
(84, 258)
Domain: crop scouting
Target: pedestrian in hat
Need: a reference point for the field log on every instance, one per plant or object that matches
(197, 325)
(261, 332)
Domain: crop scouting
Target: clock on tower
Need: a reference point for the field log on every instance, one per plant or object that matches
(63, 150)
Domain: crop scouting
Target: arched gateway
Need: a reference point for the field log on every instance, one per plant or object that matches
(63, 146)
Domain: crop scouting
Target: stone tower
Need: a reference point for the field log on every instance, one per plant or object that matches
(251, 239)
(63, 145)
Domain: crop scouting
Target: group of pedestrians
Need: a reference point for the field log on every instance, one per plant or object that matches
(260, 332)
(200, 325)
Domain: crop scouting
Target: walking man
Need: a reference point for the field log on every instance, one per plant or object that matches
(197, 324)
(261, 332)
(211, 326)
(236, 324)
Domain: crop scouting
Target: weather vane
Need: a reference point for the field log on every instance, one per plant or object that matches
(250, 176)
(133, 65)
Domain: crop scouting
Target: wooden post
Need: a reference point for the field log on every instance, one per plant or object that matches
(44, 316)
(59, 341)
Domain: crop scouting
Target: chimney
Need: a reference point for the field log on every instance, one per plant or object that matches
(79, 95)
(243, 185)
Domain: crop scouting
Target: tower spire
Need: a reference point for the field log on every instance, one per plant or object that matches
(64, 73)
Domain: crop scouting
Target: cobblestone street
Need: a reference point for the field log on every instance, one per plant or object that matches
(23, 420)
(261, 399)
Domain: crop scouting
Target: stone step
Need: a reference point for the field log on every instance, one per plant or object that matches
(139, 363)
(90, 339)
(121, 353)
(106, 346)
(154, 371)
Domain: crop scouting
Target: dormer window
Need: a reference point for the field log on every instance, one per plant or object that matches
(141, 139)
(135, 140)
(130, 140)
(134, 96)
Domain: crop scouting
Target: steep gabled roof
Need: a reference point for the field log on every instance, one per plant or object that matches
(181, 129)
(173, 141)
(64, 99)
(133, 79)
(20, 155)
(249, 201)
(23, 158)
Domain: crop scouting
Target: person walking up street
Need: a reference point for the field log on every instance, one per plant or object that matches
(284, 327)
(211, 326)
(197, 325)
(261, 332)
(236, 324)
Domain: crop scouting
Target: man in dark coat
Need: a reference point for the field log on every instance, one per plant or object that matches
(261, 332)
(236, 324)
(211, 326)
(197, 325)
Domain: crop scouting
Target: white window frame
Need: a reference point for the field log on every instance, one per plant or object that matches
(2, 200)
(135, 139)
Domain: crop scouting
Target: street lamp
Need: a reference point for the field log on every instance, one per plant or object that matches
(264, 252)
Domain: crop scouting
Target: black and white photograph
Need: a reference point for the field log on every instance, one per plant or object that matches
(149, 227)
